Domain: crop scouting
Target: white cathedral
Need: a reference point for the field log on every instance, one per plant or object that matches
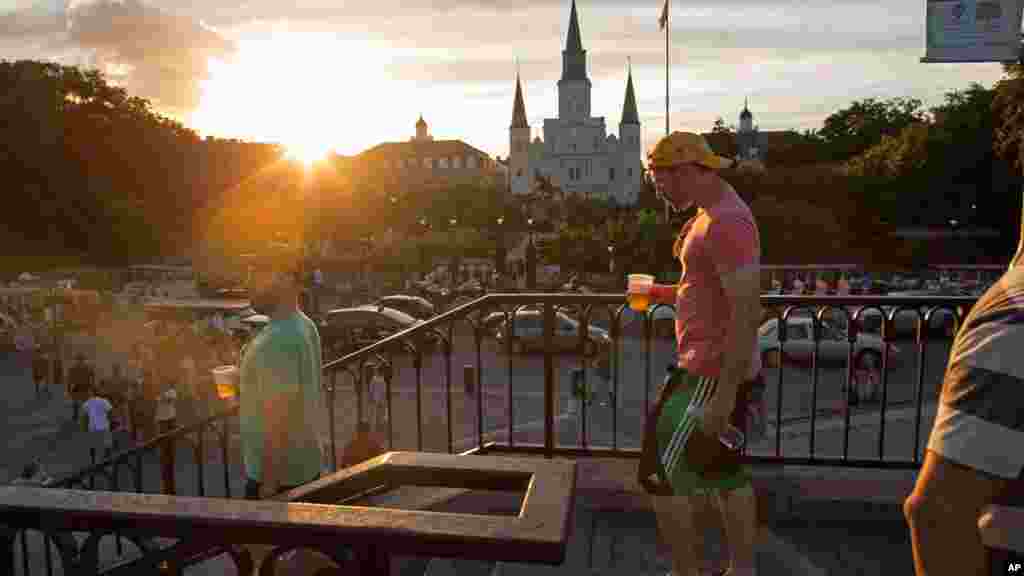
(576, 154)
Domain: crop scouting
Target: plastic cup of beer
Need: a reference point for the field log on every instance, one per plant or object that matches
(226, 380)
(638, 291)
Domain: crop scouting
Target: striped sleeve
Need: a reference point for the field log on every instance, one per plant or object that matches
(980, 417)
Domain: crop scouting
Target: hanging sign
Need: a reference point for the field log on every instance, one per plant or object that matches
(972, 30)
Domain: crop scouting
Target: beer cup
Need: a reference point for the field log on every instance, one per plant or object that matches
(226, 380)
(638, 291)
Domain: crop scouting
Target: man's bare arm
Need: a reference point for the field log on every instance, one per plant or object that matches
(942, 513)
(743, 290)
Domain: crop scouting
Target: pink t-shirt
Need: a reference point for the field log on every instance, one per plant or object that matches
(722, 239)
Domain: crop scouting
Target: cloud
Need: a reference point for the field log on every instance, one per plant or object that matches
(152, 53)
(166, 54)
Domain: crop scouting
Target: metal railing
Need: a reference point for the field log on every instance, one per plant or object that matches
(439, 337)
(850, 311)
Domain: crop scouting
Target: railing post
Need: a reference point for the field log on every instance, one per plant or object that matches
(549, 380)
(469, 383)
(469, 379)
(330, 419)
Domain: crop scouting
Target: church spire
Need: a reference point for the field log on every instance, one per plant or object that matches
(574, 57)
(572, 41)
(629, 115)
(519, 108)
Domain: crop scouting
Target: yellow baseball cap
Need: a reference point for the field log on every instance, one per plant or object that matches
(685, 148)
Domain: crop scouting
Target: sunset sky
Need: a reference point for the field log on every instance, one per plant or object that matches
(347, 74)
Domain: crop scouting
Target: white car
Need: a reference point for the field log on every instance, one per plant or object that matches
(833, 348)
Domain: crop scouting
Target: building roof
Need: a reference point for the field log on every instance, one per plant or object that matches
(519, 108)
(629, 115)
(426, 148)
(572, 41)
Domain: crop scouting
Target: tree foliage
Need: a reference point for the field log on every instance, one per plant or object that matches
(94, 175)
(852, 130)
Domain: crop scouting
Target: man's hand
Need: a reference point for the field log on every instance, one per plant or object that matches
(268, 489)
(717, 412)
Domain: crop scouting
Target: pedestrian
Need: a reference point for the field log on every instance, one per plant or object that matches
(33, 474)
(378, 414)
(40, 368)
(25, 345)
(974, 457)
(717, 314)
(188, 377)
(317, 288)
(80, 378)
(166, 421)
(96, 416)
(281, 405)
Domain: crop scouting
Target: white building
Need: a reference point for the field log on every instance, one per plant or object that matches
(576, 153)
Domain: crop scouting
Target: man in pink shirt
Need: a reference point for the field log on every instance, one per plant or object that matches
(717, 314)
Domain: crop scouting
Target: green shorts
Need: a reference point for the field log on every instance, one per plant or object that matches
(674, 429)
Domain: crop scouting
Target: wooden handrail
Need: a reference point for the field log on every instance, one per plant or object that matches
(539, 533)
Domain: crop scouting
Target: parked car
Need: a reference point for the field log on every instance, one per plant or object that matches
(348, 329)
(942, 323)
(415, 306)
(528, 332)
(833, 348)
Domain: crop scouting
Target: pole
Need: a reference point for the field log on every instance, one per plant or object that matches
(666, 67)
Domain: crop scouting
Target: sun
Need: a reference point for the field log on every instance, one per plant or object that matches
(294, 88)
(306, 153)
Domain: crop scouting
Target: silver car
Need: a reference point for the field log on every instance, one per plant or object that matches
(529, 333)
(833, 348)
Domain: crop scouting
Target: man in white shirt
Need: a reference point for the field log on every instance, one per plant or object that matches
(96, 411)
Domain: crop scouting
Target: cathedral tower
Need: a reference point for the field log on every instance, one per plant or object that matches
(574, 86)
(629, 143)
(519, 145)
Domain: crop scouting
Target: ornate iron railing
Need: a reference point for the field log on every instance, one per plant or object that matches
(495, 428)
(898, 315)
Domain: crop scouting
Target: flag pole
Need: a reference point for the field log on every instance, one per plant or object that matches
(666, 67)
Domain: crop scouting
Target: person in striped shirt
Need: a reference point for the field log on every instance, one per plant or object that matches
(975, 453)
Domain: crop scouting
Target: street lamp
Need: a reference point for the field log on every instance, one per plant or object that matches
(368, 247)
(393, 231)
(425, 228)
(531, 258)
(453, 263)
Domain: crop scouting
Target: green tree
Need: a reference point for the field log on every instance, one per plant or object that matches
(856, 128)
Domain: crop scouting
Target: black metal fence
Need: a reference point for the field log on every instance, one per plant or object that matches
(917, 322)
(506, 324)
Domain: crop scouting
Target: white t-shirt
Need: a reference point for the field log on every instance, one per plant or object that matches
(98, 410)
(165, 405)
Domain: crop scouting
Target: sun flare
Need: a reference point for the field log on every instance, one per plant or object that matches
(306, 153)
(295, 88)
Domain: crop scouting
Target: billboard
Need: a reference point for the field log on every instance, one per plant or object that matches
(972, 30)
